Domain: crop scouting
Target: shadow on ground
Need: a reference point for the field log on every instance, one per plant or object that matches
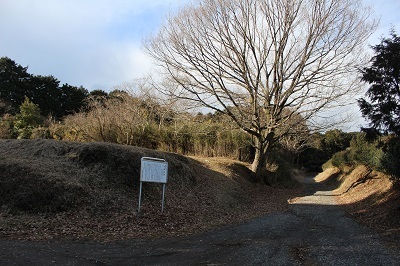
(315, 231)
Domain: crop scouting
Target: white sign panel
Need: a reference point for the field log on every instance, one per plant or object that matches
(153, 170)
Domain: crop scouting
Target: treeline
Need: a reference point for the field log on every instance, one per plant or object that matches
(39, 107)
(46, 91)
(143, 121)
(380, 153)
(119, 117)
(70, 113)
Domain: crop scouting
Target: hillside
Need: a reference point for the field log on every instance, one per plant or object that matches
(54, 189)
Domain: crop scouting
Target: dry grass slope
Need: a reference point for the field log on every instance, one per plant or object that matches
(53, 189)
(44, 176)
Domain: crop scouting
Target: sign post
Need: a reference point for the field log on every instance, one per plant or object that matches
(153, 170)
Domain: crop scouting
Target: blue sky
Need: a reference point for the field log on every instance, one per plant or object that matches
(93, 43)
(97, 43)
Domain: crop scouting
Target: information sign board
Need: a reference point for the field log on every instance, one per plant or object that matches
(153, 170)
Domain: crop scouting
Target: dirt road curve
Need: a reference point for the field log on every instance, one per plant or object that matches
(314, 232)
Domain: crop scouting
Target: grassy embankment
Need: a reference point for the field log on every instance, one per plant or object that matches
(54, 189)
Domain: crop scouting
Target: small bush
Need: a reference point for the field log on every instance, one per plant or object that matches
(327, 165)
(365, 152)
(6, 125)
(382, 156)
(40, 133)
(279, 173)
(341, 159)
(361, 151)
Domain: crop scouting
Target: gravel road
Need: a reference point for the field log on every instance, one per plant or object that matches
(314, 232)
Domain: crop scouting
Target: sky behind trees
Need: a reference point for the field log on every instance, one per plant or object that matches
(97, 43)
(93, 43)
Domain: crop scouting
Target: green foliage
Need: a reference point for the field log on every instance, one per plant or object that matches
(383, 106)
(340, 159)
(365, 152)
(323, 147)
(16, 84)
(353, 149)
(27, 119)
(335, 141)
(381, 155)
(361, 151)
(391, 159)
(14, 80)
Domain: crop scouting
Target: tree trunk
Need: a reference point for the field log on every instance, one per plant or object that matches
(262, 146)
(259, 164)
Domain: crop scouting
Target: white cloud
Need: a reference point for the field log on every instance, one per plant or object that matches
(94, 43)
(97, 43)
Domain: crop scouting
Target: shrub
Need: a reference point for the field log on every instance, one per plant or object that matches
(327, 165)
(279, 172)
(361, 151)
(40, 133)
(6, 125)
(365, 152)
(390, 162)
(341, 159)
(27, 119)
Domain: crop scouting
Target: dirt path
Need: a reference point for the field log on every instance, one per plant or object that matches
(314, 232)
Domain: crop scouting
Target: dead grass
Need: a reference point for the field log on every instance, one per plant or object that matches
(329, 175)
(53, 189)
(374, 201)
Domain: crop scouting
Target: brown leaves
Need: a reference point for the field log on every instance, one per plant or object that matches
(221, 194)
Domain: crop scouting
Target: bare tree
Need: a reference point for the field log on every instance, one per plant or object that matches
(263, 61)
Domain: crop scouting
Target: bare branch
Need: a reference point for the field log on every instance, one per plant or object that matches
(256, 59)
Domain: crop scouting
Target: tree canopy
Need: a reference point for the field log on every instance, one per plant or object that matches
(14, 80)
(45, 91)
(382, 107)
(264, 62)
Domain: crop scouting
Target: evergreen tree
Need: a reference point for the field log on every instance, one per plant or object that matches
(383, 106)
(13, 82)
(16, 84)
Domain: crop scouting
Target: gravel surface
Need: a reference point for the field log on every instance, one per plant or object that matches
(315, 231)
